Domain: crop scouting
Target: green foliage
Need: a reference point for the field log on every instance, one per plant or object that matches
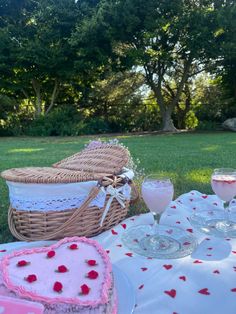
(208, 125)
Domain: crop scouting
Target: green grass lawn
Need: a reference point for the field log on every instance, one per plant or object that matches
(188, 158)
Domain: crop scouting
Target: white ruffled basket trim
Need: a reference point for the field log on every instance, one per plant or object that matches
(59, 197)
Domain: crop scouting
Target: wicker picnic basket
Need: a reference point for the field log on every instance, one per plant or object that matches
(82, 195)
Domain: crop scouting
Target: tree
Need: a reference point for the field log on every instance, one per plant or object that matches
(158, 36)
(39, 54)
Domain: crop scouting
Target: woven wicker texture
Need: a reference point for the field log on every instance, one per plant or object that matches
(104, 159)
(83, 221)
(49, 175)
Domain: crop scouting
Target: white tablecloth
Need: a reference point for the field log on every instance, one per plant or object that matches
(202, 283)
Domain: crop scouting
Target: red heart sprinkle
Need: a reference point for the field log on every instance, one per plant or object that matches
(119, 245)
(108, 251)
(22, 263)
(167, 267)
(91, 262)
(171, 293)
(216, 271)
(234, 252)
(233, 290)
(177, 222)
(73, 246)
(57, 287)
(173, 206)
(84, 289)
(182, 278)
(31, 278)
(123, 225)
(2, 251)
(92, 274)
(62, 269)
(190, 230)
(114, 232)
(197, 261)
(204, 291)
(215, 204)
(204, 196)
(141, 287)
(129, 254)
(144, 268)
(50, 254)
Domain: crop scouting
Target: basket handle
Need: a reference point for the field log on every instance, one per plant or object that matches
(52, 235)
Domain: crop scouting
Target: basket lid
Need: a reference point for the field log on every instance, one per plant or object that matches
(49, 175)
(106, 158)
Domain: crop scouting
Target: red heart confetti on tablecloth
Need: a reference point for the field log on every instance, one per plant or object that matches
(171, 293)
(177, 222)
(144, 268)
(190, 230)
(204, 196)
(119, 245)
(141, 286)
(114, 232)
(167, 267)
(129, 254)
(2, 251)
(182, 278)
(233, 290)
(123, 225)
(234, 252)
(173, 207)
(216, 271)
(197, 262)
(204, 291)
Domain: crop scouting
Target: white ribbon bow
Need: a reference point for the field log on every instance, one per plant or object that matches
(115, 193)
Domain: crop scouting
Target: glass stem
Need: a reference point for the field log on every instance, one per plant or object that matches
(226, 213)
(156, 219)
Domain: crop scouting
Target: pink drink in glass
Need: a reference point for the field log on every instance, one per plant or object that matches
(224, 186)
(157, 194)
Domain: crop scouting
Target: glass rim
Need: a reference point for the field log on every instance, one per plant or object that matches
(157, 177)
(224, 170)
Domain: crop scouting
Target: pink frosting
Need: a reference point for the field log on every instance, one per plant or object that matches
(43, 267)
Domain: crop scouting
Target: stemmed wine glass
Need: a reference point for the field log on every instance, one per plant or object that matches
(157, 193)
(158, 240)
(223, 182)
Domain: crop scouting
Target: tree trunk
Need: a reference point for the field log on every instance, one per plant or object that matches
(38, 99)
(54, 96)
(167, 122)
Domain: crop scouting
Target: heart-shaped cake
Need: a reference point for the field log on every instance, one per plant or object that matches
(72, 276)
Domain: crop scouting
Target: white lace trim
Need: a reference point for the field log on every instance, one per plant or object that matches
(56, 197)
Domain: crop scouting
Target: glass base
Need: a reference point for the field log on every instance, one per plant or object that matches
(162, 242)
(213, 223)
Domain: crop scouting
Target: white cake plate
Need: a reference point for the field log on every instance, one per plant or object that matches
(123, 285)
